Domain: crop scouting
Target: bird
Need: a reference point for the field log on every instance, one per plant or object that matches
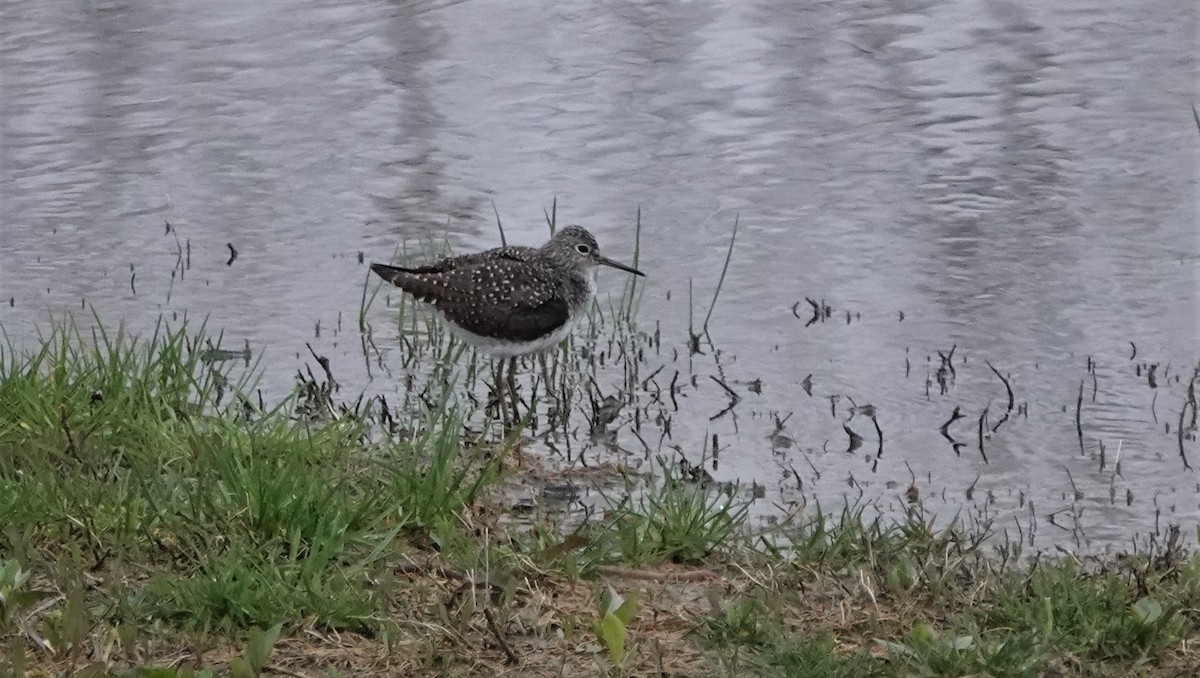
(511, 301)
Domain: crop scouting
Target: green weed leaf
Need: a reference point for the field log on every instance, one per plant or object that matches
(611, 632)
(258, 650)
(1147, 610)
(627, 609)
(240, 668)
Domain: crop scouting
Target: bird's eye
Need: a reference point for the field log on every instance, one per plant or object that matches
(582, 249)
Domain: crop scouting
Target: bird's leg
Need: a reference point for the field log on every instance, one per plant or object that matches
(498, 399)
(512, 389)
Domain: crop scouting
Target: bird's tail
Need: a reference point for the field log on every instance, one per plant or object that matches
(390, 273)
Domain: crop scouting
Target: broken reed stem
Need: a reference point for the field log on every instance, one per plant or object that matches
(552, 216)
(503, 240)
(631, 293)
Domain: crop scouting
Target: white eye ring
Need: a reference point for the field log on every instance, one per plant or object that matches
(582, 249)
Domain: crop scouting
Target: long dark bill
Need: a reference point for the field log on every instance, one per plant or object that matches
(609, 262)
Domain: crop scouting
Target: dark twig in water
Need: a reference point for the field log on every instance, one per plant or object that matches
(732, 393)
(721, 279)
(1134, 347)
(982, 427)
(855, 439)
(1079, 418)
(385, 415)
(1011, 399)
(807, 385)
(1196, 117)
(233, 254)
(1191, 426)
(945, 429)
(734, 398)
(1095, 386)
(725, 411)
(954, 416)
(1074, 490)
(693, 337)
(324, 363)
(646, 382)
(1185, 426)
(945, 373)
(673, 389)
(879, 432)
(796, 475)
(821, 311)
(971, 488)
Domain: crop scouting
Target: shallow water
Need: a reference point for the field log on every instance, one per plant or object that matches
(1017, 183)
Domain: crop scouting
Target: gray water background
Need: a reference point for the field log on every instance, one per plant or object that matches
(1017, 180)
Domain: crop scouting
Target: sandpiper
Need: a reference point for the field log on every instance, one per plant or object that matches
(511, 301)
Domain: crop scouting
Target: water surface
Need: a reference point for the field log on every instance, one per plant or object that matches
(1016, 182)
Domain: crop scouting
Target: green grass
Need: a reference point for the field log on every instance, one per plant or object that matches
(1093, 615)
(137, 459)
(670, 520)
(152, 514)
(914, 601)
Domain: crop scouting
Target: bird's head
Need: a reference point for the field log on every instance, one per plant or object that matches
(573, 246)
